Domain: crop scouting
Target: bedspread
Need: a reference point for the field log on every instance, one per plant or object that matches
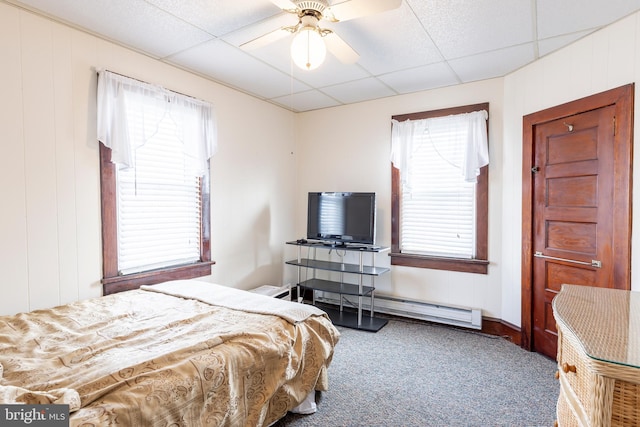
(142, 358)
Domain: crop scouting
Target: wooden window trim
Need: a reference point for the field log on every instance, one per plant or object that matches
(113, 282)
(477, 265)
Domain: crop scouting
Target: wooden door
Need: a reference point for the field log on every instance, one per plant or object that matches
(573, 227)
(579, 210)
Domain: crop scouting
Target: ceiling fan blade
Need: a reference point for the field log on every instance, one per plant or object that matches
(265, 39)
(285, 4)
(340, 49)
(358, 8)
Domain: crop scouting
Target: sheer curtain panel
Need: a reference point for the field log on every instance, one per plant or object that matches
(439, 160)
(161, 142)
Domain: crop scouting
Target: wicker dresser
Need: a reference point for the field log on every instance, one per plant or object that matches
(598, 356)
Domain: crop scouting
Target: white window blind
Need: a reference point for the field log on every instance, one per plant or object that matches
(438, 203)
(438, 211)
(331, 220)
(158, 199)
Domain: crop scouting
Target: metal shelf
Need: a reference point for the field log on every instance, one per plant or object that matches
(337, 266)
(342, 316)
(337, 287)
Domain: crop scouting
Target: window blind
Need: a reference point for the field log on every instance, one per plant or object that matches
(159, 212)
(438, 206)
(331, 215)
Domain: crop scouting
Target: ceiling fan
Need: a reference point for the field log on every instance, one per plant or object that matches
(310, 42)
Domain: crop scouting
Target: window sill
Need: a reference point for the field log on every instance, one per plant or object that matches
(476, 266)
(111, 285)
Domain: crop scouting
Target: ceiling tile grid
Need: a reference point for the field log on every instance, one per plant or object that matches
(421, 78)
(570, 16)
(418, 45)
(217, 17)
(359, 90)
(464, 28)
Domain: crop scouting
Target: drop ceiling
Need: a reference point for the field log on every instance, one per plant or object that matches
(421, 45)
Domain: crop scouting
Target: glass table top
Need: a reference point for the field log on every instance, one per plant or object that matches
(606, 321)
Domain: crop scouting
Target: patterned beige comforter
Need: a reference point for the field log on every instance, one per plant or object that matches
(142, 358)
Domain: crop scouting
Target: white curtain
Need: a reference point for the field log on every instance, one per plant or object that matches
(468, 131)
(119, 96)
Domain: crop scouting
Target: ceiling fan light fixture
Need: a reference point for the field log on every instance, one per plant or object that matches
(308, 50)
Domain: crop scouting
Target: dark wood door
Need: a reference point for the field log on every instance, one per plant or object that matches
(576, 205)
(573, 225)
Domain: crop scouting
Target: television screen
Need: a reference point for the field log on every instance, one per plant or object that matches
(342, 217)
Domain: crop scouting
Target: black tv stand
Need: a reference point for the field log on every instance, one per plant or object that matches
(335, 244)
(340, 315)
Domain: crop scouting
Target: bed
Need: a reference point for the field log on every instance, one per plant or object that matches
(181, 353)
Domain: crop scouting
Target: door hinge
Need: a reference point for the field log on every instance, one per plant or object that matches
(535, 169)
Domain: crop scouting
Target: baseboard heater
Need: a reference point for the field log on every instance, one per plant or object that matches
(450, 315)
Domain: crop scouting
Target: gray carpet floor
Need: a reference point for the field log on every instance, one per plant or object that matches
(423, 374)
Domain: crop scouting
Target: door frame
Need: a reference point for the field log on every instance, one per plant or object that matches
(623, 100)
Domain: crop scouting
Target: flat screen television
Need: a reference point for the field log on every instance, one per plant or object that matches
(342, 218)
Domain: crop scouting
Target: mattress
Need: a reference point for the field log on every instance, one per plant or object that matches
(184, 353)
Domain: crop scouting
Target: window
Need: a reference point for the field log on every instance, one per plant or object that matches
(439, 189)
(155, 149)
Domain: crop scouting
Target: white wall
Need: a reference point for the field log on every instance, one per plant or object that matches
(50, 229)
(604, 60)
(347, 149)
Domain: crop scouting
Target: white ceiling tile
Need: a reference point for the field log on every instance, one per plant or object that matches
(421, 78)
(134, 23)
(305, 101)
(221, 16)
(423, 44)
(549, 45)
(247, 33)
(492, 64)
(568, 16)
(359, 90)
(462, 28)
(237, 69)
(389, 41)
(331, 72)
(276, 54)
